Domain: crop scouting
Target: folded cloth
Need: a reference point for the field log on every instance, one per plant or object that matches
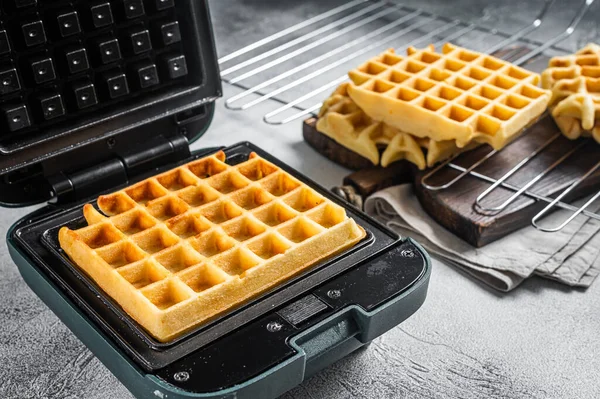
(570, 256)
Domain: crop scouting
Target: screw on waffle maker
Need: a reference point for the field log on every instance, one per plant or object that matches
(214, 273)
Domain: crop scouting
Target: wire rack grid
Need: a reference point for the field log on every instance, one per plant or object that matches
(307, 60)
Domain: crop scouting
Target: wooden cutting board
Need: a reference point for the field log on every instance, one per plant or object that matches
(454, 207)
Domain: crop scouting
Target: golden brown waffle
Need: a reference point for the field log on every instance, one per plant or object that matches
(575, 84)
(342, 120)
(457, 94)
(182, 247)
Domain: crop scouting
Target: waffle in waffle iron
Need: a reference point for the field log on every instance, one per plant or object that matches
(182, 247)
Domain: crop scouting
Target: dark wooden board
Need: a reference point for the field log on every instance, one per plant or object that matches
(454, 207)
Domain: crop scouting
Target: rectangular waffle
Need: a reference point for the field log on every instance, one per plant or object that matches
(182, 247)
(575, 84)
(342, 120)
(457, 94)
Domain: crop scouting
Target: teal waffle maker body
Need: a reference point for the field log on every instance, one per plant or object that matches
(126, 87)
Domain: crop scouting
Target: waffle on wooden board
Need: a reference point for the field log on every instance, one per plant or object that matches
(182, 247)
(342, 120)
(428, 106)
(575, 84)
(456, 94)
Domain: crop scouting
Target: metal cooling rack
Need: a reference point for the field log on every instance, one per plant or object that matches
(302, 62)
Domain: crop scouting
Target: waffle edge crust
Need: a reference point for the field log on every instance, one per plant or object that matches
(180, 248)
(456, 94)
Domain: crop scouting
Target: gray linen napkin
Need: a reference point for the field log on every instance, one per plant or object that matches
(570, 256)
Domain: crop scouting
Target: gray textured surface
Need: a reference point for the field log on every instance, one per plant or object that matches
(540, 341)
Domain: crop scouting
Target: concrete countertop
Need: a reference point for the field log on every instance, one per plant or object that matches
(539, 341)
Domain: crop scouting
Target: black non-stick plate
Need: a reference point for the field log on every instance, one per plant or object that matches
(74, 72)
(39, 239)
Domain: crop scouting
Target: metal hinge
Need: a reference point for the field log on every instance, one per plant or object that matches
(118, 170)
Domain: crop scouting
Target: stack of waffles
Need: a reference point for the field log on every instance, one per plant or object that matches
(182, 247)
(575, 84)
(341, 119)
(428, 106)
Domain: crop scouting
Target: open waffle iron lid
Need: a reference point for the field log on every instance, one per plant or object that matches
(287, 332)
(92, 93)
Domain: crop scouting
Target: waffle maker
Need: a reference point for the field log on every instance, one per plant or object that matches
(96, 95)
